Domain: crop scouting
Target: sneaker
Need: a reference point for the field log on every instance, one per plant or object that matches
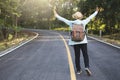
(79, 72)
(88, 71)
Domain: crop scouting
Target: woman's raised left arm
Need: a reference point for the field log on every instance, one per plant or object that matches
(92, 16)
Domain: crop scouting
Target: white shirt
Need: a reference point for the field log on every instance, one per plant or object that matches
(84, 22)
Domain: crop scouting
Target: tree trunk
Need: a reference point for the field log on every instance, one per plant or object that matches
(15, 26)
(4, 32)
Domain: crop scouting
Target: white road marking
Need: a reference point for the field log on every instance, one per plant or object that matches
(104, 42)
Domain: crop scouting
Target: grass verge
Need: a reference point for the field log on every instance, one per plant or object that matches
(109, 39)
(22, 36)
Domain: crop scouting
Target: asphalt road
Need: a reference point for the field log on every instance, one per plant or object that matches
(45, 58)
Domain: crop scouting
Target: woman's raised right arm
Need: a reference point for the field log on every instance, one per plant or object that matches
(60, 18)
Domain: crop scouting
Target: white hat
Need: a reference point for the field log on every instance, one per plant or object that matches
(77, 15)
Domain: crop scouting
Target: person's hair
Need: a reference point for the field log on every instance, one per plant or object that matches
(77, 15)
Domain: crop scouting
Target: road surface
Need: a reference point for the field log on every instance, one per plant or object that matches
(45, 58)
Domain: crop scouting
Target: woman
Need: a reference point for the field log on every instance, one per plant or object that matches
(79, 45)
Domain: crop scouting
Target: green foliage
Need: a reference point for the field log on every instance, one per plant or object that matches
(38, 13)
(109, 13)
(1, 22)
(102, 27)
(9, 14)
(10, 37)
(62, 29)
(16, 28)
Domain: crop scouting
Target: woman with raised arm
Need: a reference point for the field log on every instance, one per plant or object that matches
(82, 45)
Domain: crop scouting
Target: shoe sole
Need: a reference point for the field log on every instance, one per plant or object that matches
(79, 72)
(88, 72)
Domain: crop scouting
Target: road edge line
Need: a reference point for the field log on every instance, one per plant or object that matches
(104, 42)
(14, 47)
(71, 67)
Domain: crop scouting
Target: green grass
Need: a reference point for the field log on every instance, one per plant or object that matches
(6, 44)
(9, 43)
(113, 39)
(62, 29)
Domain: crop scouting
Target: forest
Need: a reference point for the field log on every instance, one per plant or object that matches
(38, 14)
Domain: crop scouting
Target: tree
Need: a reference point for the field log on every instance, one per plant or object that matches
(109, 14)
(9, 14)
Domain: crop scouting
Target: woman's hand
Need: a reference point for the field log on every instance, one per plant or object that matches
(97, 9)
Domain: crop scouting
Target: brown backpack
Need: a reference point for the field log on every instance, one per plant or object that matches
(77, 32)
